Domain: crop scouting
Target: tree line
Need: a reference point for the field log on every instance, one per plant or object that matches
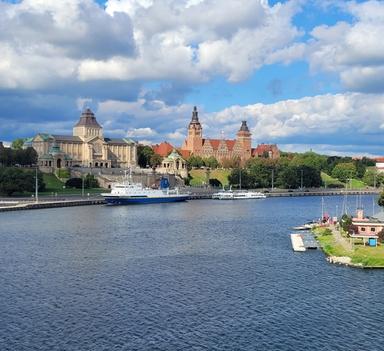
(12, 157)
(295, 170)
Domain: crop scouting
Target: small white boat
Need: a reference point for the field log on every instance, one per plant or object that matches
(237, 195)
(306, 226)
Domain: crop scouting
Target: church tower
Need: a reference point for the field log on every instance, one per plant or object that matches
(87, 126)
(194, 142)
(244, 139)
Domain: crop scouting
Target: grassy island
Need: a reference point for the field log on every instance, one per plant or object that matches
(337, 246)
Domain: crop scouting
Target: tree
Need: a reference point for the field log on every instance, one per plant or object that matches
(195, 161)
(74, 183)
(373, 178)
(17, 144)
(90, 182)
(155, 160)
(380, 201)
(241, 177)
(211, 162)
(344, 171)
(233, 162)
(144, 153)
(16, 180)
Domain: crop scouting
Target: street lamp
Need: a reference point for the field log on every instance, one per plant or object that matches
(301, 179)
(36, 186)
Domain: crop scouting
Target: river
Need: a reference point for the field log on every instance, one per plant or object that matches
(201, 275)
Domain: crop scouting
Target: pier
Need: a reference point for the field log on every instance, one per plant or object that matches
(303, 241)
(6, 206)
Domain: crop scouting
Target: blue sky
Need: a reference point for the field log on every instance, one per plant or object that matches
(304, 74)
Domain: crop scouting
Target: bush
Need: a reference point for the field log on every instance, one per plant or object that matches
(63, 173)
(74, 183)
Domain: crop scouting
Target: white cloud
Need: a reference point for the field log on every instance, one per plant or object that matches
(43, 42)
(141, 132)
(195, 40)
(352, 50)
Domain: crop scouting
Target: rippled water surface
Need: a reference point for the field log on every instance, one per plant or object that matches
(202, 275)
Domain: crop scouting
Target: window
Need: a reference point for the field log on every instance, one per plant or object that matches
(372, 229)
(363, 229)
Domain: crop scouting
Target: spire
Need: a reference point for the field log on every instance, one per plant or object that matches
(195, 115)
(244, 127)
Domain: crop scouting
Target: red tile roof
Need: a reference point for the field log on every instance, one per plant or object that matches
(163, 149)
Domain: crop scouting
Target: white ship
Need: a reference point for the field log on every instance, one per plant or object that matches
(237, 195)
(134, 193)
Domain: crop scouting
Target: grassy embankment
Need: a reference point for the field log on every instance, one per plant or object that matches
(199, 176)
(53, 185)
(366, 256)
(331, 182)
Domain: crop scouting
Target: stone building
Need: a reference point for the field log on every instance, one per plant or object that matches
(87, 147)
(174, 164)
(224, 149)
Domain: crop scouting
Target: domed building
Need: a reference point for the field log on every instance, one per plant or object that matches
(87, 147)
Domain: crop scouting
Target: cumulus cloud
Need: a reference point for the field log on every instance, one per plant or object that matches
(354, 50)
(341, 119)
(43, 42)
(195, 40)
(141, 132)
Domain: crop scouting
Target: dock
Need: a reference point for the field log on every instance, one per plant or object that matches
(6, 207)
(303, 241)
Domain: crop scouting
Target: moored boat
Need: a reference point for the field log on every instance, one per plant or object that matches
(128, 192)
(237, 195)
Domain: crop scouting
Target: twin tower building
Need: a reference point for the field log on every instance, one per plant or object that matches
(224, 149)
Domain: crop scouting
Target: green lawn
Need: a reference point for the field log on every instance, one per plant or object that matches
(199, 176)
(54, 186)
(357, 184)
(329, 181)
(365, 255)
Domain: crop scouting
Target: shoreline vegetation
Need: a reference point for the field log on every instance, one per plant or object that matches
(339, 250)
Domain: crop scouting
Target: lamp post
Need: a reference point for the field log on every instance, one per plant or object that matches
(36, 186)
(301, 179)
(82, 185)
(273, 176)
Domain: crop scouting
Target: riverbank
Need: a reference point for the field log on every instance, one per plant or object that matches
(340, 250)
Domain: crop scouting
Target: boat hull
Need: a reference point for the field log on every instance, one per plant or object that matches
(126, 200)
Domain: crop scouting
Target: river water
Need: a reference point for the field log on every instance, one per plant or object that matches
(201, 275)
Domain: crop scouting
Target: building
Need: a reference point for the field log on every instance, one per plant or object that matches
(224, 149)
(163, 149)
(266, 151)
(174, 164)
(367, 228)
(87, 147)
(380, 164)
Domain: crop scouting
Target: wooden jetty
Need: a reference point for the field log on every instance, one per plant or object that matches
(303, 241)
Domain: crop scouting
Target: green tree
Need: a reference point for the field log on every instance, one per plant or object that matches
(344, 171)
(233, 162)
(241, 177)
(16, 180)
(144, 154)
(373, 178)
(90, 182)
(17, 144)
(195, 161)
(155, 160)
(211, 162)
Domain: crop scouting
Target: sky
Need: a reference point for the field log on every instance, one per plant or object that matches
(306, 75)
